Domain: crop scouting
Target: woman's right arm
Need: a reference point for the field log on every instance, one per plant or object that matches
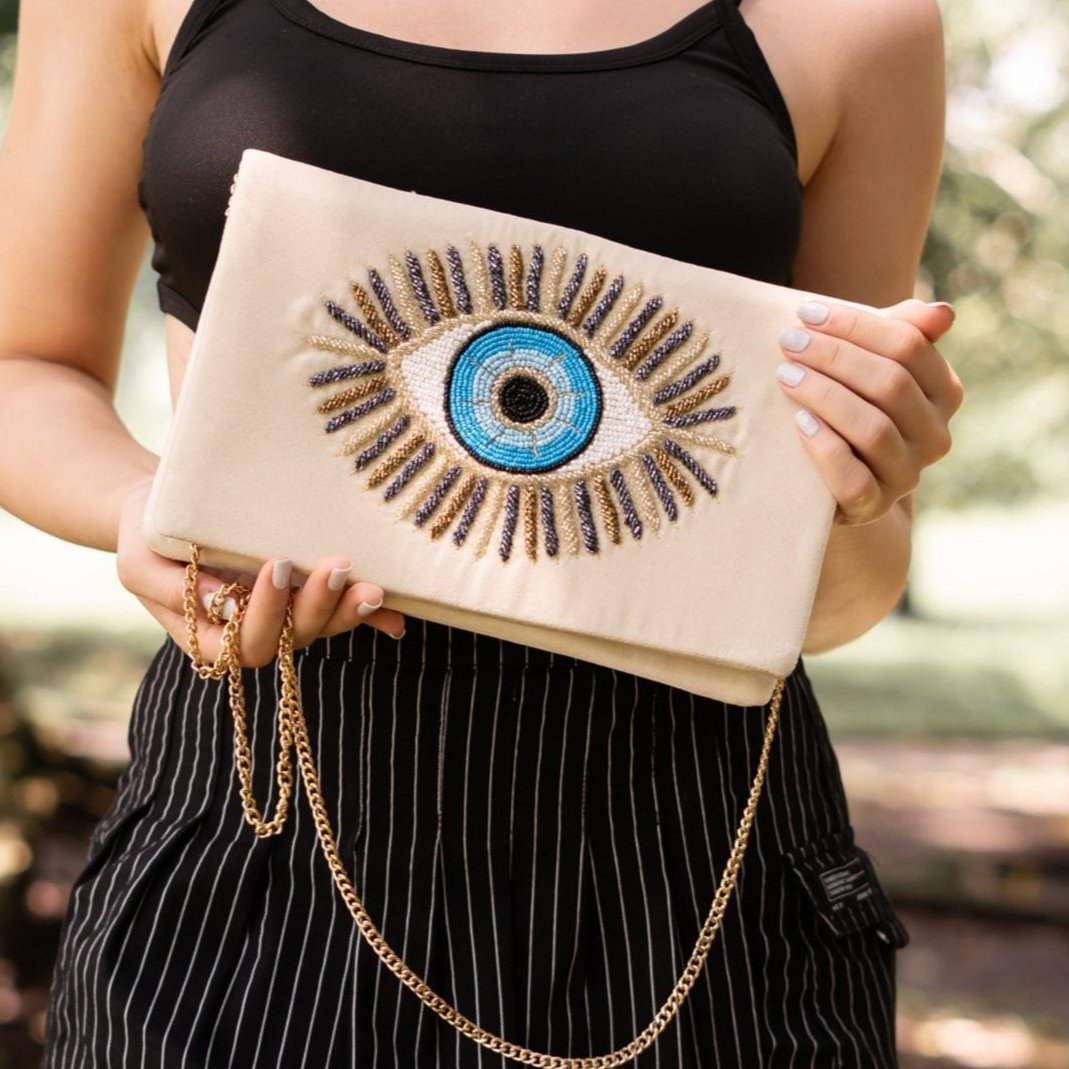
(71, 240)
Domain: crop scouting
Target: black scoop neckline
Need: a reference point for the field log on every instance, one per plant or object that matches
(669, 42)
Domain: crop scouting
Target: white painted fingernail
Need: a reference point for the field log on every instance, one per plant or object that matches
(397, 638)
(790, 374)
(794, 340)
(812, 312)
(338, 578)
(230, 606)
(280, 574)
(366, 608)
(807, 422)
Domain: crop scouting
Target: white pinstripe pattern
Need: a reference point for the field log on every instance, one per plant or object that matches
(652, 946)
(496, 904)
(580, 903)
(601, 833)
(619, 884)
(328, 901)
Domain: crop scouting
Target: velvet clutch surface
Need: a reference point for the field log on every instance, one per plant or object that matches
(512, 427)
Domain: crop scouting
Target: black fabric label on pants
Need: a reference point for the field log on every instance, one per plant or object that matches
(846, 882)
(838, 879)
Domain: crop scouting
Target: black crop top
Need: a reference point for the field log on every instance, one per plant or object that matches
(680, 144)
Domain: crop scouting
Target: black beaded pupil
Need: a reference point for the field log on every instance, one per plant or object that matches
(523, 399)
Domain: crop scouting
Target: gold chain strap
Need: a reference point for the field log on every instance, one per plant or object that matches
(228, 664)
(293, 734)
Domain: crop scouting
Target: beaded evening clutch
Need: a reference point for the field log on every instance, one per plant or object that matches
(512, 427)
(515, 428)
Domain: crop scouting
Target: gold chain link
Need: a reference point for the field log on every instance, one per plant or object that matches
(293, 735)
(228, 665)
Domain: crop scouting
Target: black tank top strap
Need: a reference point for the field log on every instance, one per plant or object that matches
(680, 144)
(195, 20)
(749, 54)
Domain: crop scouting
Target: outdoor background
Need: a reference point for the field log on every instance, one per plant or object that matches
(952, 717)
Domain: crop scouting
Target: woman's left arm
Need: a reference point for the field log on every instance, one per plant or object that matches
(865, 84)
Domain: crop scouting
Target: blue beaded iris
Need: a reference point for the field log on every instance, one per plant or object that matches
(522, 399)
(535, 405)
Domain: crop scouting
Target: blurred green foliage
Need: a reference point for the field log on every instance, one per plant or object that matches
(998, 247)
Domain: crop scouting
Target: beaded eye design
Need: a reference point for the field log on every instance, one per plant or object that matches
(513, 400)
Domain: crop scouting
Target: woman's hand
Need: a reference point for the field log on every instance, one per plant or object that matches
(326, 604)
(876, 398)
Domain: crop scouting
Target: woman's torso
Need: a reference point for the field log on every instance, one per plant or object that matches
(680, 143)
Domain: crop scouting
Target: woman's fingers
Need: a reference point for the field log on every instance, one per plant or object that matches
(314, 603)
(853, 484)
(356, 606)
(870, 433)
(821, 368)
(932, 318)
(265, 614)
(902, 335)
(875, 396)
(325, 604)
(329, 603)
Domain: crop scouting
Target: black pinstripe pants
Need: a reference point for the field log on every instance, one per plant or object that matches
(539, 837)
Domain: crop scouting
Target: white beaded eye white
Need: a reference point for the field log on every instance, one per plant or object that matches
(513, 399)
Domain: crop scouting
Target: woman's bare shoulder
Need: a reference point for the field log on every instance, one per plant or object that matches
(876, 48)
(838, 62)
(845, 32)
(85, 85)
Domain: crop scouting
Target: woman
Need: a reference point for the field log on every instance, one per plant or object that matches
(538, 837)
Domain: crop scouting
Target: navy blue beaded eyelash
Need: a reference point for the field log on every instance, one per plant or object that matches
(517, 401)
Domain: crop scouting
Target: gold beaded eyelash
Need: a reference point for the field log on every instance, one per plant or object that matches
(513, 401)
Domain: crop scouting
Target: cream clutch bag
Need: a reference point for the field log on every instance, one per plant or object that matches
(512, 427)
